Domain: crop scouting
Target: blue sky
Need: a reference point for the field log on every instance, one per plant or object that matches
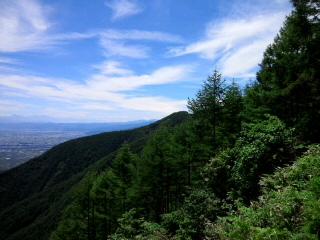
(122, 60)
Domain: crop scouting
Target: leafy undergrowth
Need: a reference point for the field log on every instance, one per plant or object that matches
(289, 207)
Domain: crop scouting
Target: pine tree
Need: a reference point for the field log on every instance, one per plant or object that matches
(231, 113)
(289, 79)
(123, 168)
(156, 175)
(206, 109)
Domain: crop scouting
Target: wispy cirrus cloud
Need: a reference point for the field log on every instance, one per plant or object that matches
(115, 68)
(119, 42)
(117, 48)
(110, 88)
(8, 64)
(135, 34)
(163, 75)
(9, 107)
(242, 61)
(236, 45)
(23, 25)
(7, 60)
(26, 26)
(123, 8)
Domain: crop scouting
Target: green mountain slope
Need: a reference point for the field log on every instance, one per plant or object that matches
(33, 195)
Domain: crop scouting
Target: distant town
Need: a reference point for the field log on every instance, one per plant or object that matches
(20, 142)
(18, 147)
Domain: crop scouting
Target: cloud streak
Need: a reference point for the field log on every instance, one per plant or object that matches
(115, 42)
(110, 89)
(123, 8)
(116, 48)
(135, 34)
(23, 25)
(235, 44)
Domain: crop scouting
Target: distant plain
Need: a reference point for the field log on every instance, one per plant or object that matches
(20, 142)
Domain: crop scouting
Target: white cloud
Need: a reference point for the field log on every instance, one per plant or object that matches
(57, 38)
(164, 75)
(242, 61)
(236, 43)
(23, 25)
(112, 68)
(282, 2)
(116, 48)
(9, 107)
(6, 60)
(123, 8)
(105, 91)
(74, 114)
(115, 42)
(135, 34)
(154, 104)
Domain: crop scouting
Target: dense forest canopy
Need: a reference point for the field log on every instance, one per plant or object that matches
(243, 165)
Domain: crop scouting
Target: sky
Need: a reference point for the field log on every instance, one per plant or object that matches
(125, 60)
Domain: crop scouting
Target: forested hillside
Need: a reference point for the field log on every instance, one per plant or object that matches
(244, 164)
(34, 194)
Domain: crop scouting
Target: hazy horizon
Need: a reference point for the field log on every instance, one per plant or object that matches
(41, 119)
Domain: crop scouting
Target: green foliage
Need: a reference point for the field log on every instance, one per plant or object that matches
(77, 216)
(216, 113)
(288, 208)
(217, 173)
(131, 226)
(289, 76)
(231, 114)
(102, 201)
(123, 172)
(206, 109)
(34, 195)
(261, 147)
(188, 222)
(254, 108)
(38, 191)
(159, 184)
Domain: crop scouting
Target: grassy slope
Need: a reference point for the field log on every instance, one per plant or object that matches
(33, 195)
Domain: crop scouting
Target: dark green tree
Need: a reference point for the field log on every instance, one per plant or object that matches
(289, 79)
(78, 222)
(206, 110)
(157, 175)
(124, 171)
(231, 113)
(107, 207)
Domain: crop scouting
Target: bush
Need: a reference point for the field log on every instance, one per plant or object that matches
(261, 148)
(288, 209)
(189, 221)
(131, 226)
